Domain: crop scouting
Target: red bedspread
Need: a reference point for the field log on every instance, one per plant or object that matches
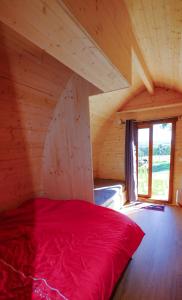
(63, 250)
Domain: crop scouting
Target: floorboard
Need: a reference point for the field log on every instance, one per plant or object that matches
(155, 272)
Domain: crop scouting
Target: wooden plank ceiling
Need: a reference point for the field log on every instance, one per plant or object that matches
(157, 26)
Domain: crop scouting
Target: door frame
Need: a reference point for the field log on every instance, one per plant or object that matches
(149, 124)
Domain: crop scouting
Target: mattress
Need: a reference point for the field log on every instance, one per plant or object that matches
(108, 192)
(64, 250)
(99, 182)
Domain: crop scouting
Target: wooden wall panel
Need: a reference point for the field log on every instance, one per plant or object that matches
(67, 164)
(30, 84)
(99, 129)
(111, 158)
(29, 65)
(163, 97)
(102, 109)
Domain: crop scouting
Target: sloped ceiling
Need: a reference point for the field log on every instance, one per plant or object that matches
(157, 26)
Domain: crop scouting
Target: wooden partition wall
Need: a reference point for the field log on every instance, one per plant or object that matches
(67, 164)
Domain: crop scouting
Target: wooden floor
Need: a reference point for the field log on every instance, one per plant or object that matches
(155, 272)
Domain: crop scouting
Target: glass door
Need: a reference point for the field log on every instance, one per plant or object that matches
(161, 160)
(155, 155)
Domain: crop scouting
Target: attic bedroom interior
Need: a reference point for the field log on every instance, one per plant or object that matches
(90, 150)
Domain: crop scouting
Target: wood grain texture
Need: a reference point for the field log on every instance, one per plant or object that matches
(30, 84)
(155, 272)
(111, 158)
(157, 28)
(30, 66)
(102, 109)
(162, 97)
(67, 163)
(109, 25)
(48, 25)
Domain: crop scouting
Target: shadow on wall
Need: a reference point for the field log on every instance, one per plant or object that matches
(15, 180)
(97, 144)
(107, 158)
(15, 173)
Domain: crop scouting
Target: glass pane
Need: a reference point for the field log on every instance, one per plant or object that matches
(143, 160)
(162, 134)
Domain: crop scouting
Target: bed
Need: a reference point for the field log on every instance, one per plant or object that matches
(109, 193)
(64, 250)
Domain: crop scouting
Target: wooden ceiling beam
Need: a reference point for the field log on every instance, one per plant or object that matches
(109, 25)
(142, 69)
(49, 26)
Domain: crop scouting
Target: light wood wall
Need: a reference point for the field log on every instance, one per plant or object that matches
(157, 28)
(67, 172)
(110, 163)
(111, 156)
(102, 108)
(30, 84)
